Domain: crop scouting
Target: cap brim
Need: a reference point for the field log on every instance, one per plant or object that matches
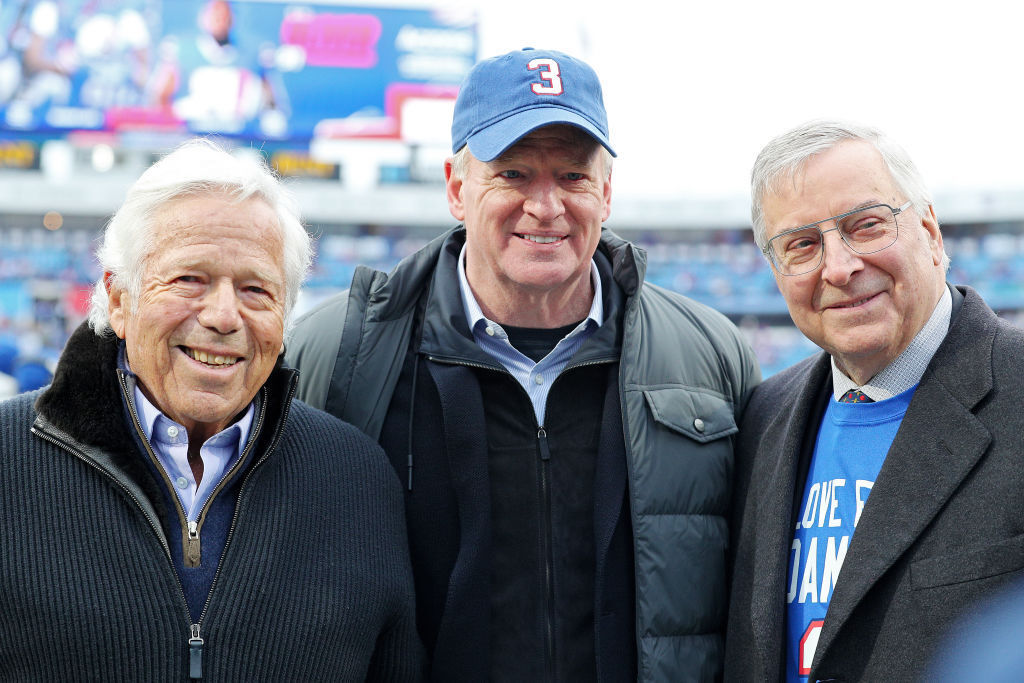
(488, 144)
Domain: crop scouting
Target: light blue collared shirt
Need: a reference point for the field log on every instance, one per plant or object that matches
(170, 444)
(535, 378)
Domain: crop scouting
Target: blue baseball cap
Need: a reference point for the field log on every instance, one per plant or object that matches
(506, 97)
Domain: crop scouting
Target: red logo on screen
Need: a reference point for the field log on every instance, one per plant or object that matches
(339, 40)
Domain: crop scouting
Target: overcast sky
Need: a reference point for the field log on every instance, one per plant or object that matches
(694, 89)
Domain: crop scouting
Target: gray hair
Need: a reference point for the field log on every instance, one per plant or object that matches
(460, 160)
(784, 156)
(196, 167)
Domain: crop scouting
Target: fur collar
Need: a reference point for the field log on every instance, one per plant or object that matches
(84, 399)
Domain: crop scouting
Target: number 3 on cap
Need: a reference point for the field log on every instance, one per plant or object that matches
(549, 73)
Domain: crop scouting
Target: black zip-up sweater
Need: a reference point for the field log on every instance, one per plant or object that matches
(504, 529)
(314, 581)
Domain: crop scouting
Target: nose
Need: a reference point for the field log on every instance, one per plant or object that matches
(839, 262)
(544, 200)
(219, 308)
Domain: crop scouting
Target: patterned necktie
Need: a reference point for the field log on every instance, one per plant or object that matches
(855, 396)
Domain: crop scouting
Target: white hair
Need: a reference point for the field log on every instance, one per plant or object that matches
(196, 167)
(786, 155)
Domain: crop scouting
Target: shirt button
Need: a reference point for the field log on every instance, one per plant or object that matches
(172, 431)
(182, 483)
(698, 424)
(490, 331)
(539, 379)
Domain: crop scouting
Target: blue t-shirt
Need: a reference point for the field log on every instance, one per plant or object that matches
(852, 444)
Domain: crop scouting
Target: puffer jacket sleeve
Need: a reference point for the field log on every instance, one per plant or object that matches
(312, 346)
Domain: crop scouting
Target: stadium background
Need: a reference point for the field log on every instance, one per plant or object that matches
(352, 104)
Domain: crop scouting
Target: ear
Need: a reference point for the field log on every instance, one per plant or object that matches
(607, 209)
(453, 188)
(117, 305)
(933, 234)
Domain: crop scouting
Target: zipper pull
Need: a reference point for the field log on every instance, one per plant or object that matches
(195, 654)
(192, 545)
(542, 441)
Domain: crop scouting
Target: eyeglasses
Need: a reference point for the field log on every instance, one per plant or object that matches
(865, 231)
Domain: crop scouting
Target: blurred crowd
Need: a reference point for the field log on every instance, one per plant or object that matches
(46, 277)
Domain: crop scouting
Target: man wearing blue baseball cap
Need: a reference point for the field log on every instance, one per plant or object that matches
(564, 430)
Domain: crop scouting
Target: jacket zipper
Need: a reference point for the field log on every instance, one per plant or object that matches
(191, 547)
(195, 642)
(629, 316)
(194, 628)
(547, 552)
(551, 661)
(546, 540)
(191, 541)
(60, 443)
(195, 654)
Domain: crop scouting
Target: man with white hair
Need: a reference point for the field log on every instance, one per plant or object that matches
(170, 511)
(880, 482)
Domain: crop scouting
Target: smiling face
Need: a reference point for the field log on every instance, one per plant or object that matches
(533, 220)
(862, 309)
(209, 323)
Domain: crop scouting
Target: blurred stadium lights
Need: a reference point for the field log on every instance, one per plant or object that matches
(103, 158)
(57, 161)
(52, 220)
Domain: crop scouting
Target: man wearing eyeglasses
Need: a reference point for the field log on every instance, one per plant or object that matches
(879, 484)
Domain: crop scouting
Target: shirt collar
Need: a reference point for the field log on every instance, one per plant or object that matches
(907, 369)
(474, 314)
(149, 414)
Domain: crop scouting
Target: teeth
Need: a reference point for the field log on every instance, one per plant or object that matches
(204, 357)
(540, 239)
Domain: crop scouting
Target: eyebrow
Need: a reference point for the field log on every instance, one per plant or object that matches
(863, 205)
(247, 274)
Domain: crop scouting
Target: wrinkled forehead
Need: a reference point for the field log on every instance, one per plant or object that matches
(218, 219)
(848, 175)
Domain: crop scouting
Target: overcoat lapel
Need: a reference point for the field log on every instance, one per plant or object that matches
(939, 442)
(782, 444)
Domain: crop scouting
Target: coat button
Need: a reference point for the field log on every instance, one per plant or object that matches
(698, 424)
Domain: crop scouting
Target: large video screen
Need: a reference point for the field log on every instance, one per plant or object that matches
(252, 69)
